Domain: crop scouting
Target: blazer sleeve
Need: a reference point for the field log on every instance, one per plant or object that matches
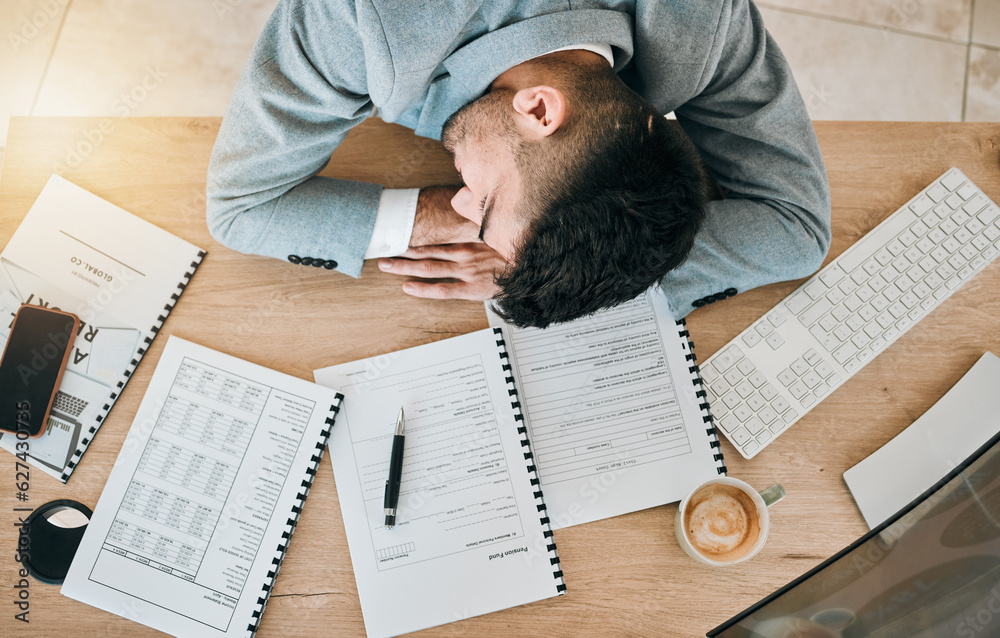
(304, 88)
(752, 130)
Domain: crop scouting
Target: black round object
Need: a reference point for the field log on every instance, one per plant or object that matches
(51, 548)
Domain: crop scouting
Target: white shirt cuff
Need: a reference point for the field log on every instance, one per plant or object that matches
(393, 222)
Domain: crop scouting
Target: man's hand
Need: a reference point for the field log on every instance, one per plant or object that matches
(471, 266)
(436, 222)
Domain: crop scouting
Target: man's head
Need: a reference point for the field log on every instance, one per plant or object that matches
(579, 183)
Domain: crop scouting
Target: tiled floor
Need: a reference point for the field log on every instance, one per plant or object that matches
(853, 59)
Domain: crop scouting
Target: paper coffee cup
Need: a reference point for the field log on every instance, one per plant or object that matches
(755, 515)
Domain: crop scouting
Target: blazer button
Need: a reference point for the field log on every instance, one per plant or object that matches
(698, 303)
(306, 261)
(330, 264)
(318, 262)
(295, 259)
(719, 296)
(730, 292)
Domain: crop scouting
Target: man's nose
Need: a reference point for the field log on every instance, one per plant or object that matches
(463, 203)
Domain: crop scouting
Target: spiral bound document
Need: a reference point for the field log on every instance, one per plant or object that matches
(615, 409)
(472, 533)
(196, 517)
(120, 274)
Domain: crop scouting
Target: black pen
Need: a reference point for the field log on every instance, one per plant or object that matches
(395, 474)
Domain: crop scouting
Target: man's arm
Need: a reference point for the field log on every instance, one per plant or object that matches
(303, 89)
(755, 137)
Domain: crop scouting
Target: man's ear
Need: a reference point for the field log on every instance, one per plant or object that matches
(540, 110)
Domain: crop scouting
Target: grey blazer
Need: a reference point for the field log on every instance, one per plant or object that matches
(320, 66)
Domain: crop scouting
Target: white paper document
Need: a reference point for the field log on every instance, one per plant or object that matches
(207, 482)
(469, 535)
(612, 411)
(120, 274)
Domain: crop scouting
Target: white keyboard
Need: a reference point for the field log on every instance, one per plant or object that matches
(790, 359)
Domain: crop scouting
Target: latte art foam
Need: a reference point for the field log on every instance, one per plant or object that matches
(722, 522)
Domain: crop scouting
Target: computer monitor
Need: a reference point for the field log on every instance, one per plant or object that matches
(931, 570)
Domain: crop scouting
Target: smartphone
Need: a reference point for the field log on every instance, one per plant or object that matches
(31, 369)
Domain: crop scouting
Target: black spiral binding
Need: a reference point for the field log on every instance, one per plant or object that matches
(706, 414)
(84, 442)
(526, 446)
(286, 536)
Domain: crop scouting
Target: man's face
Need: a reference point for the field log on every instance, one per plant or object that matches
(482, 137)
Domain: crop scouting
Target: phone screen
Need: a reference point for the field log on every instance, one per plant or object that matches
(33, 361)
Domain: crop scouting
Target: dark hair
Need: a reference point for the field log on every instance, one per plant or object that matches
(612, 203)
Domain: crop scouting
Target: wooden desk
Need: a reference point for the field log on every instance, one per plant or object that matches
(625, 576)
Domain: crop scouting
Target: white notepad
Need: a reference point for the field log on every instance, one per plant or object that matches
(210, 480)
(615, 410)
(120, 274)
(964, 419)
(471, 535)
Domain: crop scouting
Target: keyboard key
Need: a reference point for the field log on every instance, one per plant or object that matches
(919, 228)
(739, 436)
(895, 247)
(798, 389)
(750, 447)
(799, 367)
(865, 292)
(937, 192)
(812, 357)
(709, 373)
(909, 300)
(913, 255)
(776, 319)
(852, 365)
(733, 377)
(865, 354)
(728, 357)
(832, 275)
(811, 379)
(921, 205)
(845, 352)
(953, 201)
(980, 242)
(879, 303)
(815, 311)
(828, 323)
(742, 412)
(977, 262)
(855, 323)
(767, 415)
(966, 190)
(729, 424)
(867, 313)
(775, 340)
(945, 271)
(962, 235)
(764, 328)
(746, 366)
(907, 238)
(732, 400)
(952, 180)
(824, 369)
(878, 344)
(975, 204)
(798, 303)
(891, 293)
(948, 226)
(939, 254)
(757, 379)
(787, 377)
(936, 235)
(853, 302)
(957, 261)
(877, 283)
(815, 289)
(842, 333)
(871, 266)
(933, 281)
(925, 245)
(921, 290)
(885, 320)
(751, 339)
(744, 389)
(777, 427)
(860, 340)
(780, 404)
(807, 400)
(754, 425)
(883, 257)
(836, 296)
(834, 380)
(821, 390)
(960, 217)
(991, 233)
(974, 227)
(763, 437)
(756, 402)
(840, 312)
(768, 392)
(928, 263)
(847, 286)
(873, 329)
(790, 416)
(989, 214)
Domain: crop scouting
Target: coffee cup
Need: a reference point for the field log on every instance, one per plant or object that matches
(724, 521)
